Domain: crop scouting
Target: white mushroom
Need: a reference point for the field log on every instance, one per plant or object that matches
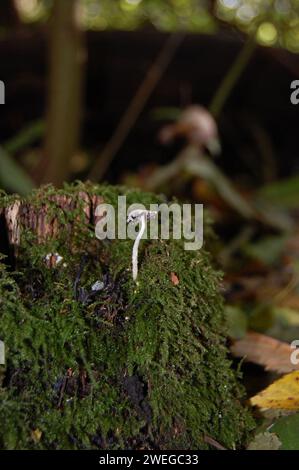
(138, 216)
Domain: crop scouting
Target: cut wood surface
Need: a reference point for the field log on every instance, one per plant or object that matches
(38, 218)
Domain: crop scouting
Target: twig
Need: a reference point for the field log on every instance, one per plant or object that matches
(137, 104)
(209, 440)
(232, 77)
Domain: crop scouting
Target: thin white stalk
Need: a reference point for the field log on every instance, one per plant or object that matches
(140, 216)
(136, 246)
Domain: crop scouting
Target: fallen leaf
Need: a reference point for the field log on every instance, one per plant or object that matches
(265, 441)
(286, 429)
(174, 279)
(36, 435)
(282, 394)
(265, 351)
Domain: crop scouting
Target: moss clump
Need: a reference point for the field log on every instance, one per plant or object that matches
(124, 367)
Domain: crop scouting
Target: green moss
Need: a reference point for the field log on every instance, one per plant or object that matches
(128, 367)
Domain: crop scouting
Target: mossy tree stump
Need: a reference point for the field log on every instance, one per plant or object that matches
(123, 367)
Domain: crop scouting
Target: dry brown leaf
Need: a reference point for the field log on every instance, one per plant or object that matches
(265, 441)
(265, 351)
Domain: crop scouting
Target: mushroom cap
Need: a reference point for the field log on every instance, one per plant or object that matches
(136, 215)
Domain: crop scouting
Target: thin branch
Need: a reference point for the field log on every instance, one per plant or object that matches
(136, 106)
(232, 77)
(212, 442)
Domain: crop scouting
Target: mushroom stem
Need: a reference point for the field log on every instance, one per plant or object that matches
(140, 216)
(136, 246)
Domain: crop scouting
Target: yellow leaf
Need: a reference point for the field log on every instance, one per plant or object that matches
(282, 394)
(36, 435)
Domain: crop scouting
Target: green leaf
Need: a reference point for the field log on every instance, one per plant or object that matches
(12, 176)
(30, 134)
(287, 431)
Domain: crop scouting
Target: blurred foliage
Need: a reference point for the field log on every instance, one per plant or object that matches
(166, 15)
(12, 176)
(267, 250)
(283, 193)
(236, 320)
(275, 22)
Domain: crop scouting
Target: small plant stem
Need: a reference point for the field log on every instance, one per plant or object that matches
(232, 76)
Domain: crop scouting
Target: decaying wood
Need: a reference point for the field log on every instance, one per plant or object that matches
(42, 220)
